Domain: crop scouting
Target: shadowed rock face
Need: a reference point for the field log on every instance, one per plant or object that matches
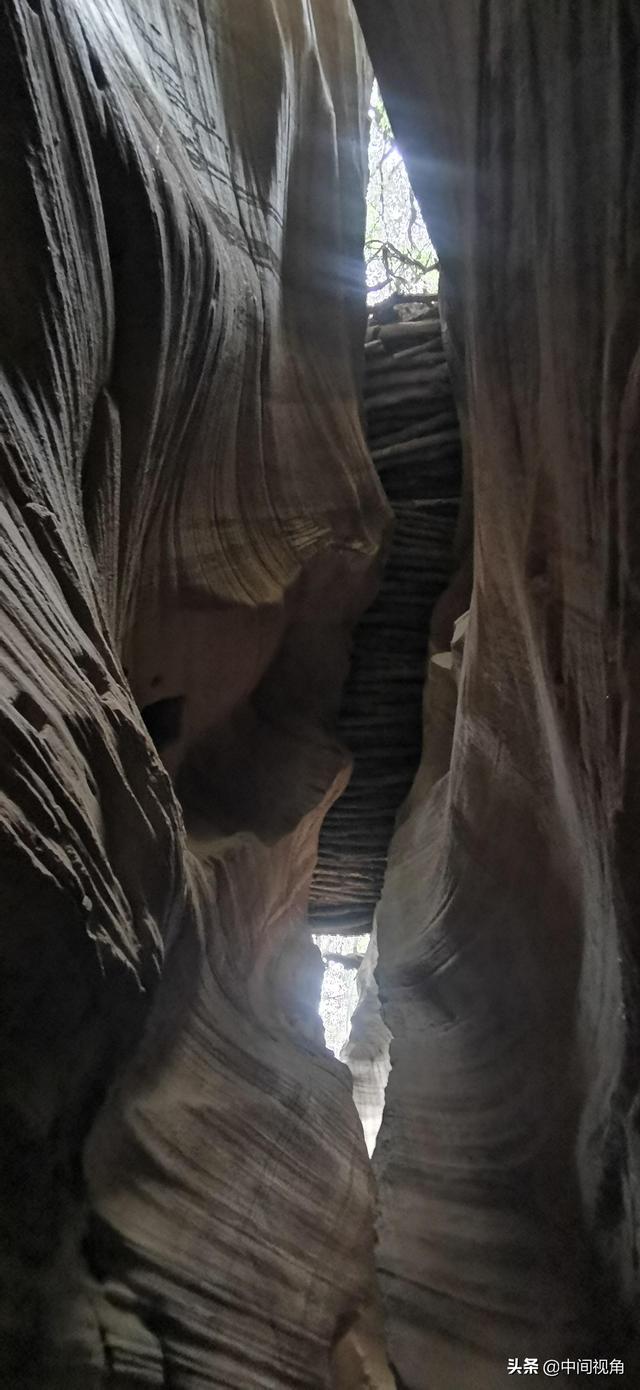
(414, 439)
(190, 528)
(507, 1158)
(190, 525)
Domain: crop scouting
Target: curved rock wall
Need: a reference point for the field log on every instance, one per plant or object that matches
(190, 525)
(507, 1158)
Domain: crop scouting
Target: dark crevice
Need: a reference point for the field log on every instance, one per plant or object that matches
(163, 720)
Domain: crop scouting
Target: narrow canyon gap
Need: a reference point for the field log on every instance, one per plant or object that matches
(192, 526)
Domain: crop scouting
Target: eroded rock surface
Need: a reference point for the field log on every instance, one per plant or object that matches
(191, 524)
(508, 1156)
(414, 437)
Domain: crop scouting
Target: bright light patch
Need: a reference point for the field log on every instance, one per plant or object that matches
(398, 253)
(342, 956)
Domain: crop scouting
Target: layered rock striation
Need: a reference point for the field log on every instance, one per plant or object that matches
(414, 438)
(191, 524)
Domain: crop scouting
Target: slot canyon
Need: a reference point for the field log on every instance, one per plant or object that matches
(317, 663)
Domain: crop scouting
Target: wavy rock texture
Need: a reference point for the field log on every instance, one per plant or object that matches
(187, 502)
(414, 438)
(508, 1155)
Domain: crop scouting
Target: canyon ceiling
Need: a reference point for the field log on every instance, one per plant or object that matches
(192, 527)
